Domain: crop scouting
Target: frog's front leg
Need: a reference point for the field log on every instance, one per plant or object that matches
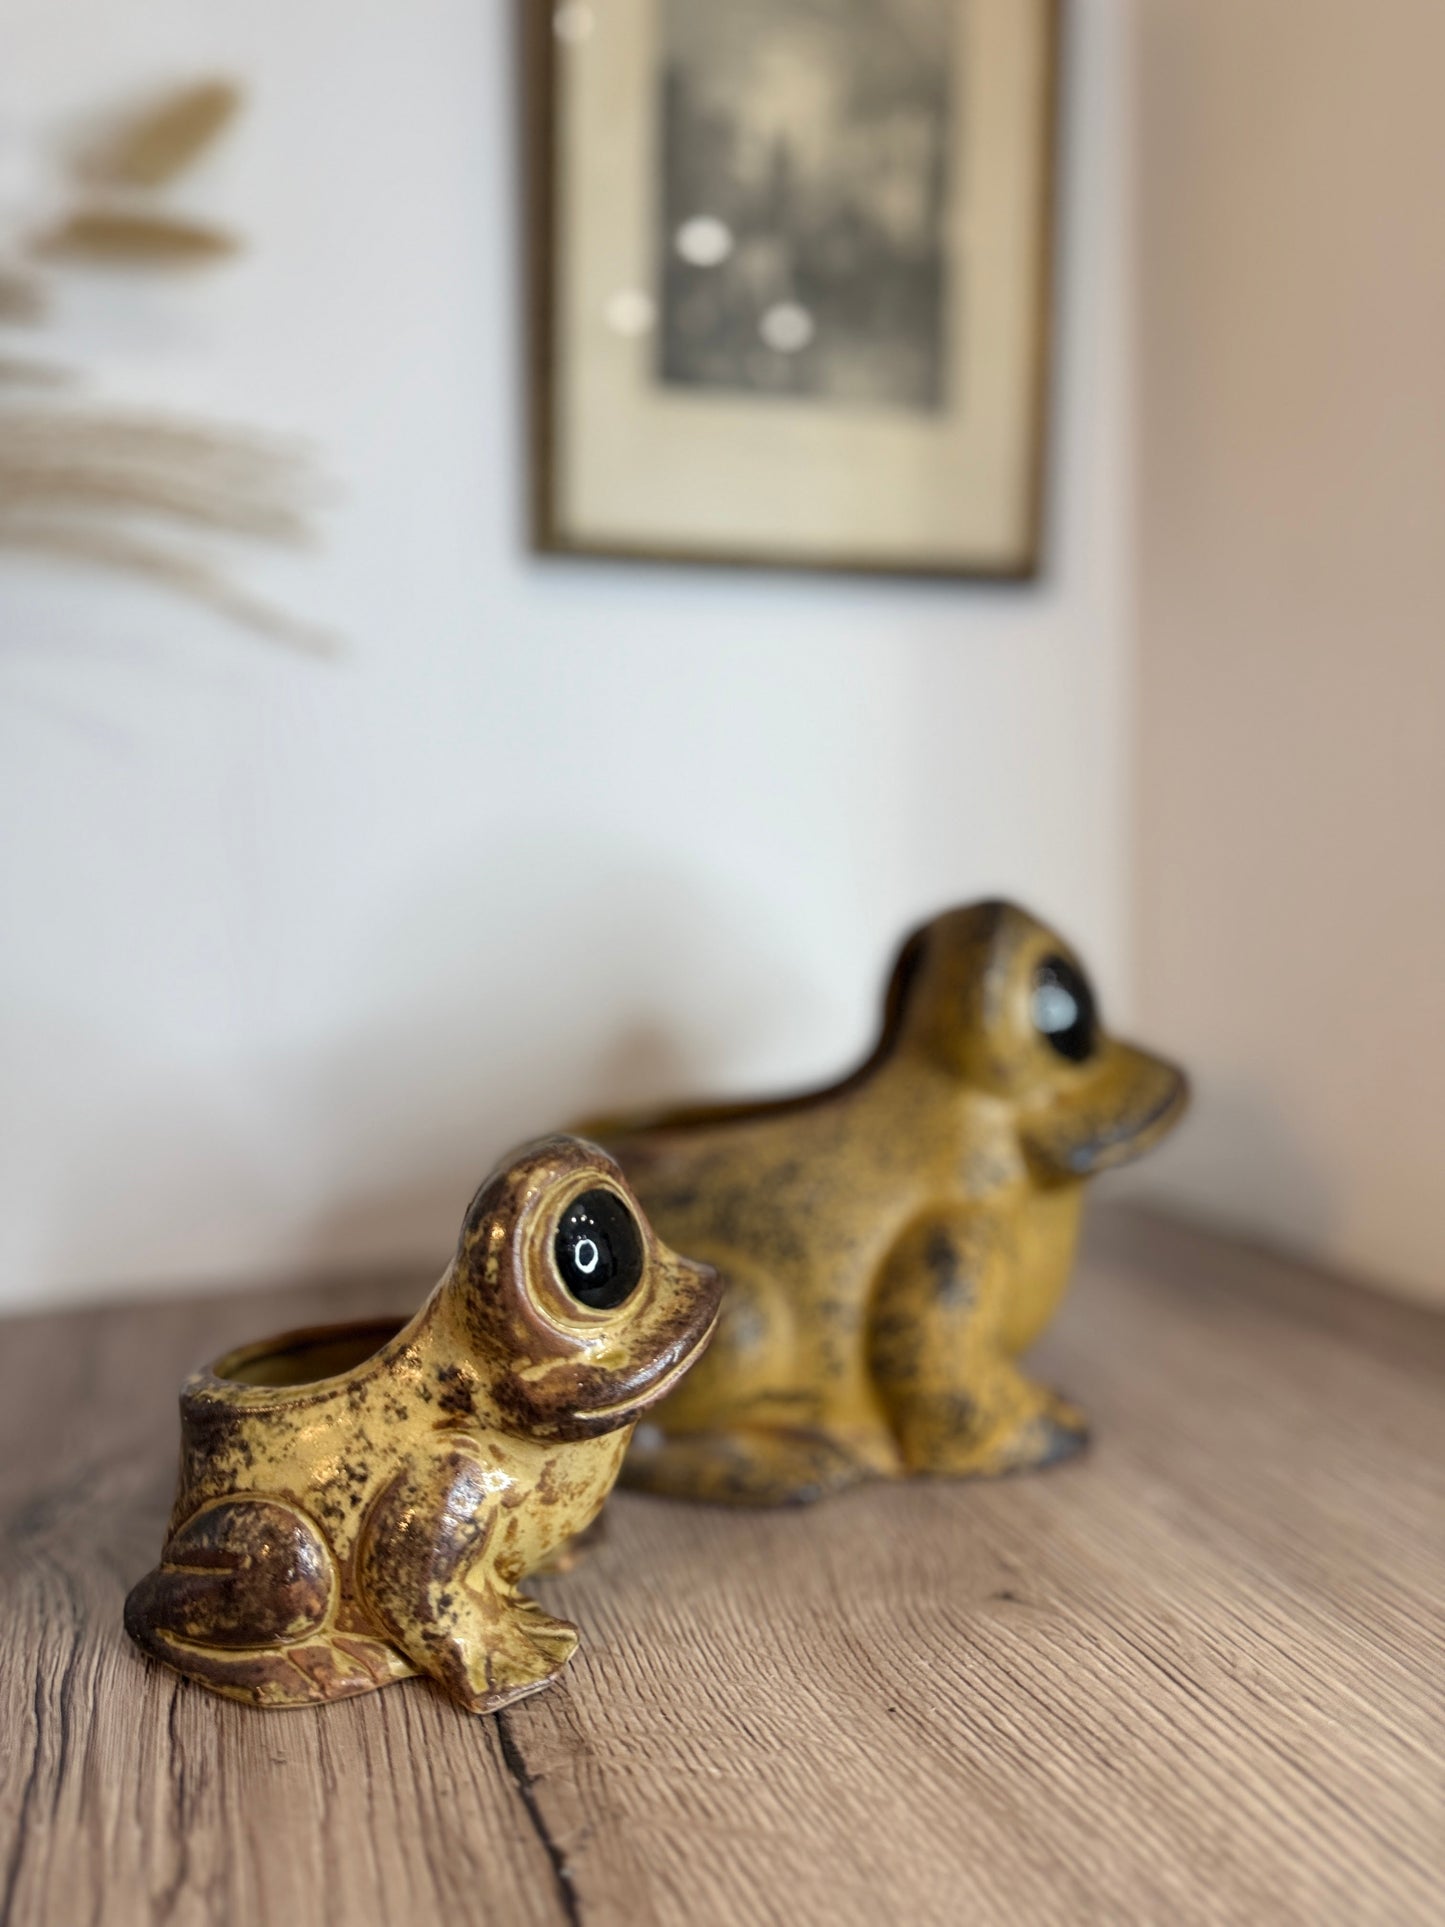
(956, 1401)
(423, 1567)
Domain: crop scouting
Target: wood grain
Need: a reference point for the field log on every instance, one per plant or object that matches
(1195, 1677)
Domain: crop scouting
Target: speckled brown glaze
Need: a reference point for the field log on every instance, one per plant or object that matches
(890, 1245)
(359, 1503)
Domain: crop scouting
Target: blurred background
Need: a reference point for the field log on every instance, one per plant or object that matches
(295, 941)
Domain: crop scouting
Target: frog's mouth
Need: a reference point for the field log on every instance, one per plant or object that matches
(1121, 1108)
(655, 1389)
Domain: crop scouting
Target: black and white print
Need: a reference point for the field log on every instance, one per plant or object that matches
(802, 246)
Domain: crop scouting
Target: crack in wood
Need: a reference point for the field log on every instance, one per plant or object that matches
(28, 1798)
(525, 1783)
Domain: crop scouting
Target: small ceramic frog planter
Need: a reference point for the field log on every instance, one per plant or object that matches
(359, 1503)
(890, 1246)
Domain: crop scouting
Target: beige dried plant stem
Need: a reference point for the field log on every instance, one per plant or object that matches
(119, 234)
(102, 487)
(174, 568)
(222, 479)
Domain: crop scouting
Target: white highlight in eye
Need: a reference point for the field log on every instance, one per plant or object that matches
(787, 327)
(1054, 1009)
(704, 241)
(586, 1256)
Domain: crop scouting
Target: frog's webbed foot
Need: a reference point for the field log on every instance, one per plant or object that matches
(1066, 1431)
(496, 1647)
(1002, 1423)
(741, 1465)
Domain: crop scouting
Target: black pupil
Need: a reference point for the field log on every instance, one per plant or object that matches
(598, 1249)
(1063, 1009)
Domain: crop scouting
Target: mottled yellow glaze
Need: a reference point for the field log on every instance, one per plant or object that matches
(889, 1246)
(359, 1504)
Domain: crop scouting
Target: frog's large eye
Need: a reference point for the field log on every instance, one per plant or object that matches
(598, 1250)
(1063, 1009)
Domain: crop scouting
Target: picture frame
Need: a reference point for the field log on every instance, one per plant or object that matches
(791, 281)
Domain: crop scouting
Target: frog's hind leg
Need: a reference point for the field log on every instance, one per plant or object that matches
(740, 1428)
(744, 1465)
(243, 1601)
(957, 1403)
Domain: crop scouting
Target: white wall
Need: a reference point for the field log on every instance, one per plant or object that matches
(1291, 876)
(290, 951)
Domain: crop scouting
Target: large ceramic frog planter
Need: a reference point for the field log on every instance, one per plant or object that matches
(358, 1504)
(892, 1244)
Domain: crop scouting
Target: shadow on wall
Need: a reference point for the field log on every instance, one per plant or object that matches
(1250, 1152)
(486, 1011)
(414, 1207)
(622, 993)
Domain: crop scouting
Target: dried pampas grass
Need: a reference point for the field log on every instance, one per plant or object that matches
(119, 488)
(124, 234)
(150, 148)
(170, 568)
(128, 491)
(56, 460)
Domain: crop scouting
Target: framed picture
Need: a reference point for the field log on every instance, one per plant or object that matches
(792, 280)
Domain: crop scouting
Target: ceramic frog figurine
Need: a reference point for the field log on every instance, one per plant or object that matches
(359, 1503)
(890, 1245)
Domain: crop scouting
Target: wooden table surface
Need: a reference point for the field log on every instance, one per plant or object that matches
(1194, 1677)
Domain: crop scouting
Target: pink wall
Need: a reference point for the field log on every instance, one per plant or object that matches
(1290, 906)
